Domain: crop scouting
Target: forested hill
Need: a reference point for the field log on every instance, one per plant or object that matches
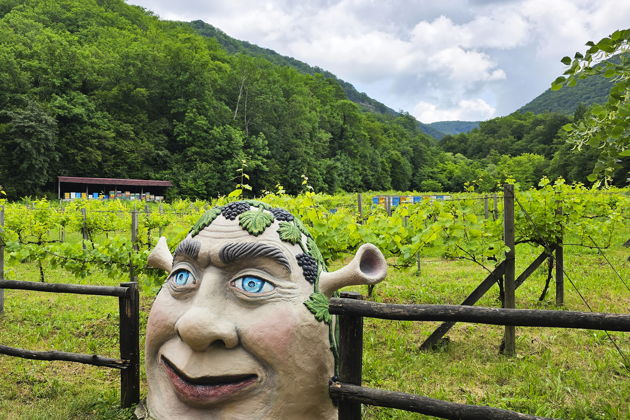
(104, 89)
(588, 91)
(235, 46)
(453, 127)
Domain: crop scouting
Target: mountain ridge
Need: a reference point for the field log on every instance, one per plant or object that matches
(235, 46)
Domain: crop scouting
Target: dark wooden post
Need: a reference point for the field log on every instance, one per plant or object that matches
(485, 207)
(62, 229)
(360, 207)
(129, 307)
(559, 251)
(388, 204)
(84, 230)
(134, 244)
(1, 258)
(509, 287)
(160, 229)
(350, 357)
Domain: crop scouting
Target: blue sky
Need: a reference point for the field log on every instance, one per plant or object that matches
(437, 60)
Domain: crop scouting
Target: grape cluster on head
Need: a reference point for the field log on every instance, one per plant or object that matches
(281, 215)
(309, 267)
(231, 211)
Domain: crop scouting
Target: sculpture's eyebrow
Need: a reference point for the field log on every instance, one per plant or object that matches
(238, 251)
(189, 248)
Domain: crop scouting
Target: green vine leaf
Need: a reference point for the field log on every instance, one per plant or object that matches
(303, 229)
(317, 303)
(313, 249)
(205, 220)
(256, 203)
(288, 232)
(255, 221)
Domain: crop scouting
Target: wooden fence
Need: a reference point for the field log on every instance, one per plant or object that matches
(129, 307)
(349, 393)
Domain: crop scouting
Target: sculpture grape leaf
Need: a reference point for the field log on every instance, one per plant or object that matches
(255, 221)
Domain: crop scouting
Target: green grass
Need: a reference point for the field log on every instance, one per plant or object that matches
(573, 374)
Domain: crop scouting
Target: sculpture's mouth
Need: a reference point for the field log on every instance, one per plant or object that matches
(206, 390)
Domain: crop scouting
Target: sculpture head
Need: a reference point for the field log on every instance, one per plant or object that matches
(240, 328)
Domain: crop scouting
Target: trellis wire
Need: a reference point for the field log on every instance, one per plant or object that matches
(546, 245)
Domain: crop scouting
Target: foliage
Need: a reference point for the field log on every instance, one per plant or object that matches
(586, 92)
(106, 89)
(607, 126)
(454, 127)
(524, 147)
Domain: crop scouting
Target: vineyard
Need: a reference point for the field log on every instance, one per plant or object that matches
(437, 251)
(116, 236)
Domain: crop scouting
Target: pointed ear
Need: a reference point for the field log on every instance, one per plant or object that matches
(161, 256)
(367, 267)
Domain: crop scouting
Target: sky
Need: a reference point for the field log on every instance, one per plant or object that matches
(438, 60)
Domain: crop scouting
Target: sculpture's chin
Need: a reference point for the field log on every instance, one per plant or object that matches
(209, 390)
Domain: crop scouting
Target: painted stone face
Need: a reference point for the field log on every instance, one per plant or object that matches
(229, 335)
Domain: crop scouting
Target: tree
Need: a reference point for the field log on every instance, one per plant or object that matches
(606, 127)
(28, 146)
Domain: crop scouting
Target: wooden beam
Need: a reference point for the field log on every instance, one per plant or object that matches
(509, 285)
(79, 289)
(423, 405)
(129, 307)
(472, 298)
(481, 315)
(88, 359)
(350, 357)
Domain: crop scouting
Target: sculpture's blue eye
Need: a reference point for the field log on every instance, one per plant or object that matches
(182, 277)
(251, 284)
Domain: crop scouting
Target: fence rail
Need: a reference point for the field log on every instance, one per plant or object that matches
(129, 319)
(349, 393)
(418, 404)
(79, 289)
(482, 315)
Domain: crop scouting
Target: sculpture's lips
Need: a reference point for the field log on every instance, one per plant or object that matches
(208, 389)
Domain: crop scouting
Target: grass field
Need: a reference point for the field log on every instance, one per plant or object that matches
(574, 374)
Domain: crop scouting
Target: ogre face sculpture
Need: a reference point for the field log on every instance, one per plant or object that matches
(237, 331)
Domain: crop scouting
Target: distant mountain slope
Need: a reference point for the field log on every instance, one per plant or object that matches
(453, 127)
(235, 46)
(591, 90)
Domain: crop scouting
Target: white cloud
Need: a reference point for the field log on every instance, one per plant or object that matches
(466, 110)
(435, 58)
(465, 66)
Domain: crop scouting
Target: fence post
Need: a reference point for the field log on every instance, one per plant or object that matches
(350, 357)
(485, 207)
(160, 229)
(1, 258)
(559, 251)
(129, 307)
(495, 213)
(84, 226)
(62, 229)
(360, 206)
(509, 287)
(388, 204)
(134, 245)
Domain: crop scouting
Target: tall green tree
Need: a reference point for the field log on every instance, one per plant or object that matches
(28, 148)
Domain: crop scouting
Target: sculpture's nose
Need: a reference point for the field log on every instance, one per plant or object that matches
(202, 327)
